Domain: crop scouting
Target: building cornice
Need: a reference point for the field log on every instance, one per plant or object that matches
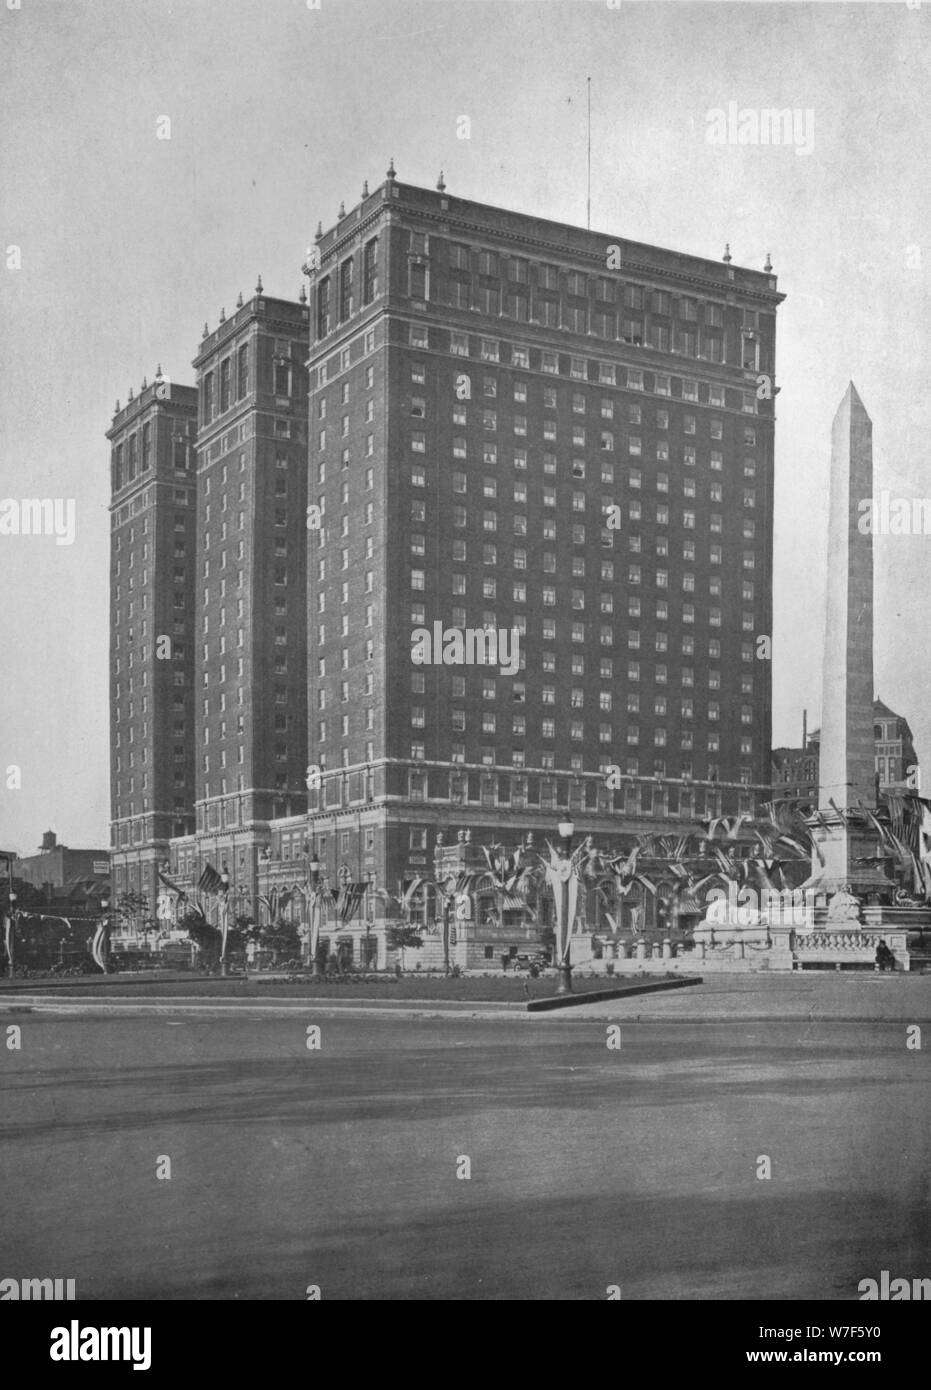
(726, 279)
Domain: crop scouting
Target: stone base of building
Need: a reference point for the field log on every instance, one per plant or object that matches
(818, 944)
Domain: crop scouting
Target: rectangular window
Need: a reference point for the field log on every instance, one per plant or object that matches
(370, 271)
(323, 307)
(345, 289)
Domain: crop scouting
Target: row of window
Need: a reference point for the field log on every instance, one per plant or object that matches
(549, 426)
(460, 519)
(606, 734)
(687, 339)
(546, 761)
(577, 630)
(221, 389)
(342, 360)
(549, 593)
(489, 520)
(555, 398)
(549, 493)
(118, 518)
(340, 287)
(553, 363)
(607, 570)
(606, 442)
(552, 278)
(135, 454)
(577, 698)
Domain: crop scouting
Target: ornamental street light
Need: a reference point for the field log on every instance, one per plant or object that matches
(448, 890)
(224, 917)
(9, 939)
(565, 885)
(367, 900)
(315, 900)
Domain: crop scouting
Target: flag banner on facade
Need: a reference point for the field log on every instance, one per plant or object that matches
(466, 881)
(408, 888)
(209, 881)
(923, 856)
(896, 815)
(162, 878)
(349, 899)
(275, 902)
(510, 903)
(98, 946)
(8, 936)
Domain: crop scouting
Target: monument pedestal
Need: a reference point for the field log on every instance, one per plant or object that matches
(851, 860)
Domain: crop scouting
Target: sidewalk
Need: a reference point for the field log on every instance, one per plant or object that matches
(811, 996)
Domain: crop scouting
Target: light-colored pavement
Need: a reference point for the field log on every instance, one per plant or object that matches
(344, 1167)
(812, 995)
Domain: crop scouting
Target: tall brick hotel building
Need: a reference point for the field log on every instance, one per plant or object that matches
(510, 424)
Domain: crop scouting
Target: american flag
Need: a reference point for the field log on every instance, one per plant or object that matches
(349, 898)
(210, 881)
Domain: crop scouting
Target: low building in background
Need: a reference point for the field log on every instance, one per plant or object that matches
(57, 866)
(796, 770)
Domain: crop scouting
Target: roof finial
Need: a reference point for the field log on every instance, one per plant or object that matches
(391, 170)
(258, 286)
(440, 183)
(342, 210)
(303, 295)
(158, 372)
(129, 394)
(365, 188)
(769, 263)
(118, 408)
(144, 383)
(206, 331)
(318, 235)
(727, 253)
(239, 300)
(223, 316)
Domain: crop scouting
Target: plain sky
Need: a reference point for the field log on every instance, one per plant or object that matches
(278, 111)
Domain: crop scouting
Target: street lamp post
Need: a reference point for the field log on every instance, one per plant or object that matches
(105, 934)
(10, 941)
(315, 900)
(224, 917)
(258, 939)
(447, 908)
(368, 933)
(565, 904)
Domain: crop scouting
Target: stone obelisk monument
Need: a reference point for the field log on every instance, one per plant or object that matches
(847, 776)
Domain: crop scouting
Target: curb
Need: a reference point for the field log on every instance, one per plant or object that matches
(603, 996)
(434, 1009)
(128, 1007)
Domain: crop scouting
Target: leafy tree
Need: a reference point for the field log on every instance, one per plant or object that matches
(282, 939)
(206, 938)
(131, 907)
(401, 936)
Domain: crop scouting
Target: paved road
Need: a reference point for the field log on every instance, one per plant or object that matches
(338, 1168)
